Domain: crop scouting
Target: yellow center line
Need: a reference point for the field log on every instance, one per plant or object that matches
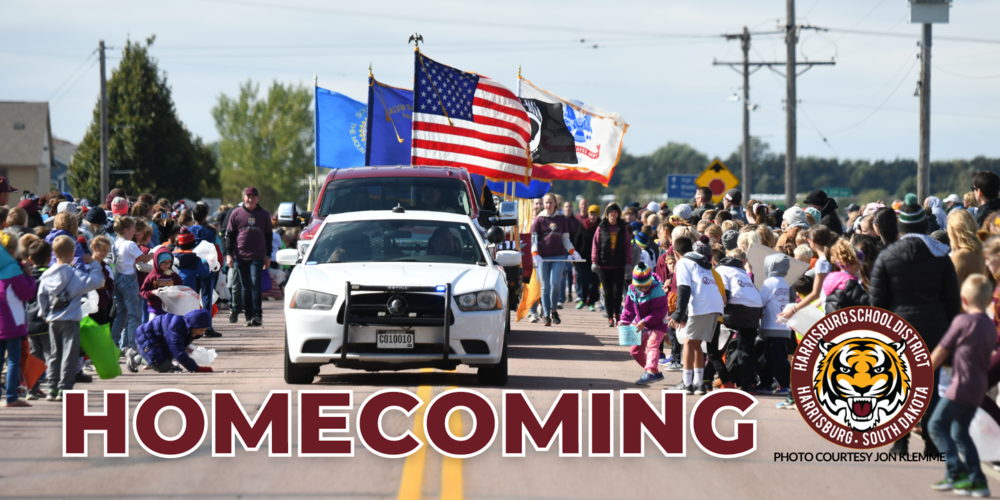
(451, 468)
(411, 486)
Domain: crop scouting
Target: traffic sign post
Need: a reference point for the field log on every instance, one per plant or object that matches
(681, 186)
(719, 179)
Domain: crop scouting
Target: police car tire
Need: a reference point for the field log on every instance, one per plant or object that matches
(496, 374)
(298, 374)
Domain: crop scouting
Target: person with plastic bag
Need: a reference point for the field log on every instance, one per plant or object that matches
(161, 276)
(968, 343)
(194, 272)
(646, 307)
(166, 338)
(16, 288)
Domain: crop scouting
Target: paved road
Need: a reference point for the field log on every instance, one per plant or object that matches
(580, 353)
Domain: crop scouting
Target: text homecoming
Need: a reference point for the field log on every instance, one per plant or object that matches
(323, 424)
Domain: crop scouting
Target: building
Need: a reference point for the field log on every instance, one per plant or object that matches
(26, 147)
(63, 151)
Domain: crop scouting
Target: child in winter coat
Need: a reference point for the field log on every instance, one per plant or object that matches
(166, 337)
(775, 296)
(100, 246)
(161, 276)
(646, 307)
(16, 288)
(194, 272)
(843, 288)
(60, 300)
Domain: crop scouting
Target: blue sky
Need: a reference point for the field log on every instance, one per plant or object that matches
(652, 63)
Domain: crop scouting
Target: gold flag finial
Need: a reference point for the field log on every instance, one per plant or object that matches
(518, 70)
(369, 69)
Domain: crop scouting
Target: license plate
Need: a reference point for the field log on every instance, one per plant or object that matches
(393, 339)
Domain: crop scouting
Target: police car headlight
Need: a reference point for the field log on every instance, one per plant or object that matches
(487, 300)
(316, 301)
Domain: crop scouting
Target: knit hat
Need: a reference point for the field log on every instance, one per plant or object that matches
(642, 240)
(734, 196)
(185, 238)
(815, 213)
(912, 219)
(796, 217)
(119, 206)
(162, 256)
(817, 197)
(636, 226)
(911, 199)
(642, 275)
(594, 209)
(703, 248)
(729, 239)
(683, 211)
(97, 215)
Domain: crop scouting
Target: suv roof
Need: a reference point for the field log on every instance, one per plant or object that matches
(397, 171)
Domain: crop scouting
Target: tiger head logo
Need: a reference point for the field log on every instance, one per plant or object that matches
(862, 381)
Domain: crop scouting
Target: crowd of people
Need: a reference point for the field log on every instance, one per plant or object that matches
(682, 278)
(60, 254)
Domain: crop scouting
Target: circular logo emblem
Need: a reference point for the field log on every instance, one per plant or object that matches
(862, 377)
(396, 305)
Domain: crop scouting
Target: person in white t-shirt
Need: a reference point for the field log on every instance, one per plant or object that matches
(699, 305)
(129, 308)
(775, 294)
(742, 315)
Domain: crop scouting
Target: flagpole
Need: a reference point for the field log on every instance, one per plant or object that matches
(314, 185)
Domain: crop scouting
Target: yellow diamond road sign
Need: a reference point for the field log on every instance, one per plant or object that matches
(718, 178)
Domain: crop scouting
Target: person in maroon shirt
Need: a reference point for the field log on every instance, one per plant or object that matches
(248, 245)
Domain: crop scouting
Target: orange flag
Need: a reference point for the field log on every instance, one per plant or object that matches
(532, 294)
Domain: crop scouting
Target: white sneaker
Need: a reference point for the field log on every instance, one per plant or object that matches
(533, 318)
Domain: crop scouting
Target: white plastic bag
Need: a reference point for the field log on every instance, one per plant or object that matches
(207, 252)
(222, 287)
(804, 319)
(986, 434)
(178, 300)
(90, 303)
(202, 356)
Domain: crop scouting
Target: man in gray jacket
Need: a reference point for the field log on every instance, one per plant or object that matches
(60, 301)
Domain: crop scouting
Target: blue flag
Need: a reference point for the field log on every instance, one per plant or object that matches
(536, 189)
(390, 120)
(340, 130)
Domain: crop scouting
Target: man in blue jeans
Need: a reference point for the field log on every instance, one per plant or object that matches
(248, 248)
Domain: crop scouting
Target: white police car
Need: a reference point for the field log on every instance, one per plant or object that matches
(395, 290)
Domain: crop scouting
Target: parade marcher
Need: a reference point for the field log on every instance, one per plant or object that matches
(166, 338)
(775, 295)
(17, 287)
(844, 288)
(588, 281)
(611, 254)
(700, 302)
(741, 314)
(248, 245)
(550, 242)
(127, 304)
(645, 307)
(828, 210)
(986, 186)
(915, 279)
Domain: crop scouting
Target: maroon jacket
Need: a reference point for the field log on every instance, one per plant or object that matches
(249, 233)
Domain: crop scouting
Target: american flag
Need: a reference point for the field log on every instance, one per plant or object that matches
(466, 120)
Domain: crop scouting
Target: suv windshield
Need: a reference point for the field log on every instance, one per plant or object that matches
(397, 241)
(384, 193)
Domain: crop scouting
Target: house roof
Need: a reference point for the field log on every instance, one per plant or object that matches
(24, 134)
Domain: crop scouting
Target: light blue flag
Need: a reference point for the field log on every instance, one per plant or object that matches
(390, 123)
(340, 130)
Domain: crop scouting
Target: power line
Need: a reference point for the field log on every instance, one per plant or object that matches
(908, 35)
(71, 75)
(883, 102)
(79, 77)
(990, 77)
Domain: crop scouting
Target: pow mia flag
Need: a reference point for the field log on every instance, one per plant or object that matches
(551, 140)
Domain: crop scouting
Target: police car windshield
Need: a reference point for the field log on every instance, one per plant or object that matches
(384, 193)
(397, 241)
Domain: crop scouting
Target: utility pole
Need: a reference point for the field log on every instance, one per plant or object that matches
(790, 66)
(105, 184)
(745, 45)
(924, 158)
(791, 103)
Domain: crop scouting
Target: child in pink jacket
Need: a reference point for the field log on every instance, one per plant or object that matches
(646, 307)
(16, 288)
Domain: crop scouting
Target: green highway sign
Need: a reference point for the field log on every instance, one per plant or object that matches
(838, 192)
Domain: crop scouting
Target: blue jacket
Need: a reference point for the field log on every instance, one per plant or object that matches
(203, 233)
(77, 254)
(167, 336)
(192, 269)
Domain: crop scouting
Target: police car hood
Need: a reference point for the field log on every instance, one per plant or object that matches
(464, 278)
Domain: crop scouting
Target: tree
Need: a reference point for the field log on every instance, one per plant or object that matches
(144, 135)
(266, 143)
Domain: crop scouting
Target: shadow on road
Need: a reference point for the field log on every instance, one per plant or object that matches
(568, 354)
(556, 337)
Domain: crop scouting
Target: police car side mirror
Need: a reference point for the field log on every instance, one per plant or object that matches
(507, 214)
